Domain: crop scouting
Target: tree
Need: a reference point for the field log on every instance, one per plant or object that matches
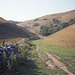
(56, 20)
(41, 27)
(63, 25)
(36, 24)
(51, 26)
(44, 31)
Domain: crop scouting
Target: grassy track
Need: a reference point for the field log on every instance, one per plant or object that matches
(67, 54)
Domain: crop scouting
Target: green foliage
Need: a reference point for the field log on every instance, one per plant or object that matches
(64, 25)
(72, 21)
(57, 29)
(56, 20)
(41, 27)
(9, 66)
(4, 55)
(20, 60)
(44, 30)
(36, 24)
(50, 29)
(51, 26)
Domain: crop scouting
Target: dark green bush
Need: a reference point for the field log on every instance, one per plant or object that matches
(50, 29)
(36, 24)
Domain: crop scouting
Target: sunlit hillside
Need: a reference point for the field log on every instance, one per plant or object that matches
(65, 37)
(54, 19)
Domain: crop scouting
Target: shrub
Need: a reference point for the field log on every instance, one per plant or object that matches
(36, 24)
(50, 29)
(44, 30)
(41, 27)
(56, 20)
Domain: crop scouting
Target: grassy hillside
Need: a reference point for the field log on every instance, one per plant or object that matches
(65, 37)
(55, 19)
(10, 30)
(58, 51)
(62, 54)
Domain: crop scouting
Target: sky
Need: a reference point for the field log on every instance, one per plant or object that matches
(22, 10)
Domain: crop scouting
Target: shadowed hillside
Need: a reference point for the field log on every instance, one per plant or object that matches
(32, 35)
(55, 20)
(10, 30)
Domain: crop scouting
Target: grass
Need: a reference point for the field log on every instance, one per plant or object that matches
(20, 66)
(7, 41)
(41, 66)
(67, 54)
(32, 67)
(37, 67)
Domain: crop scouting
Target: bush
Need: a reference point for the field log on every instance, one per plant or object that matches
(56, 20)
(50, 29)
(41, 27)
(44, 30)
(36, 24)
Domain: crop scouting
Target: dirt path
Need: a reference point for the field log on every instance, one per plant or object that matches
(48, 63)
(39, 56)
(59, 64)
(55, 62)
(57, 56)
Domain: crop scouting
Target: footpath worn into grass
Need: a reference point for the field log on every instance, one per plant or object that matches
(57, 63)
(66, 55)
(41, 67)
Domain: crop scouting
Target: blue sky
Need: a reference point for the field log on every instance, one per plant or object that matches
(21, 10)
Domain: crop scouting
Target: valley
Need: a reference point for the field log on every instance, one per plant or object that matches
(46, 45)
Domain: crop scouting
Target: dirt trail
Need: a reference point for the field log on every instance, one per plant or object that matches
(48, 63)
(55, 62)
(59, 64)
(39, 54)
(57, 56)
